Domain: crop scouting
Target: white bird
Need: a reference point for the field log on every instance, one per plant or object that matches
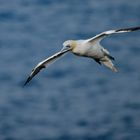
(88, 48)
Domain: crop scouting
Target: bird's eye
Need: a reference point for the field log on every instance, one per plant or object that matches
(68, 46)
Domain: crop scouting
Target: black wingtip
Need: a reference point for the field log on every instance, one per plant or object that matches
(27, 81)
(34, 72)
(135, 28)
(129, 29)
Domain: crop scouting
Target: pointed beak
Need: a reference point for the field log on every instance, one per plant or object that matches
(65, 49)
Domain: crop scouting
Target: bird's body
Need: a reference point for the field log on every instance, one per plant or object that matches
(86, 48)
(92, 49)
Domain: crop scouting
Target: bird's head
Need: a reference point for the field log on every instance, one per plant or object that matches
(69, 45)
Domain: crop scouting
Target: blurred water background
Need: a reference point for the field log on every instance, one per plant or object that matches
(74, 99)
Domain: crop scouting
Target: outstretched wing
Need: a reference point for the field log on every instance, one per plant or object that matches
(44, 64)
(100, 36)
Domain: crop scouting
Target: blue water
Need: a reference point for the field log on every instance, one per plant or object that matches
(74, 99)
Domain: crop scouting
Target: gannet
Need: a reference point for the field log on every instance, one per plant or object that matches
(90, 48)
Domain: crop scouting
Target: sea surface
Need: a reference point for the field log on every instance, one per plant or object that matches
(75, 98)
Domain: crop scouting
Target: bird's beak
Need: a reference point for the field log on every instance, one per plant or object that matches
(65, 49)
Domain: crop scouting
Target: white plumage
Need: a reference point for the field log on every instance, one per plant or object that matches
(87, 48)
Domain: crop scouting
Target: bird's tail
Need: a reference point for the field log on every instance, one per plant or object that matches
(108, 63)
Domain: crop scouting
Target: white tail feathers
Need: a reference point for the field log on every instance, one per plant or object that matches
(114, 69)
(108, 63)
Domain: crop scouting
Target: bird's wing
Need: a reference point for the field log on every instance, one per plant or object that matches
(44, 64)
(100, 36)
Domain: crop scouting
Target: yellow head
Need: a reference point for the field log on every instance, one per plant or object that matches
(71, 44)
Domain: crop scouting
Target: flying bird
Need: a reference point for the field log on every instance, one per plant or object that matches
(90, 48)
